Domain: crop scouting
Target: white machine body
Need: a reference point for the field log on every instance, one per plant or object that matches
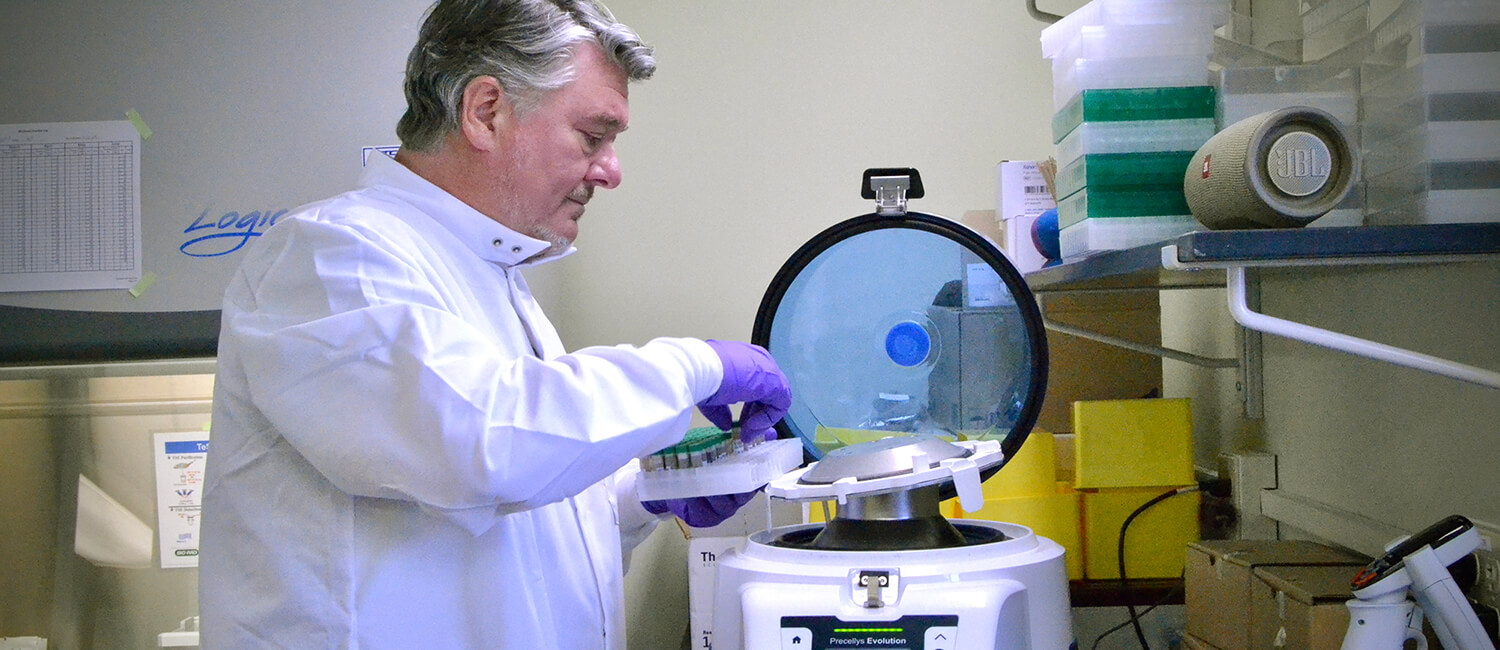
(1006, 594)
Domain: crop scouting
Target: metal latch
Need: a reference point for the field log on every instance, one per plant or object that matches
(891, 187)
(873, 584)
(890, 194)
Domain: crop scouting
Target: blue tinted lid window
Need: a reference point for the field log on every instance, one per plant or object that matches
(904, 325)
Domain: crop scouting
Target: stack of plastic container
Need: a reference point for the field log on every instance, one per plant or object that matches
(1134, 102)
(1431, 93)
(1331, 26)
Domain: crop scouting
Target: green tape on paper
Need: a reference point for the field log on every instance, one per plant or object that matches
(140, 124)
(147, 279)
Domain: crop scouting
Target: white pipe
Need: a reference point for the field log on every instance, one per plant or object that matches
(1240, 309)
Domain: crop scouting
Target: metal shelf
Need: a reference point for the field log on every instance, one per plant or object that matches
(1225, 258)
(1196, 259)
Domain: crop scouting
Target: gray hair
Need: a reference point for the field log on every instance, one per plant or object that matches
(527, 45)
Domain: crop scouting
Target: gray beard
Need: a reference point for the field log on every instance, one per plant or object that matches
(558, 242)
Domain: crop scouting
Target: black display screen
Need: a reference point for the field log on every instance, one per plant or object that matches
(937, 632)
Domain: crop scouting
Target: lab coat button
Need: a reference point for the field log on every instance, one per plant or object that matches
(497, 243)
(515, 249)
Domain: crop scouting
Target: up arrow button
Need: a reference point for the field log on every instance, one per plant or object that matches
(940, 638)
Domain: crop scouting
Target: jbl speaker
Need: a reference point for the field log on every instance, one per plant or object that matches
(1280, 169)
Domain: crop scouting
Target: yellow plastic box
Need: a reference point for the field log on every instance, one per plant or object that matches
(1132, 443)
(1055, 516)
(1158, 538)
(1032, 473)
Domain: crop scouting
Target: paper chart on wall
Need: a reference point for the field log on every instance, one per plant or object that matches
(70, 208)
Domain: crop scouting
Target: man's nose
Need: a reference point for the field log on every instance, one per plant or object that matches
(604, 171)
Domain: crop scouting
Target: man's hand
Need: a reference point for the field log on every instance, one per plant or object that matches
(701, 512)
(750, 376)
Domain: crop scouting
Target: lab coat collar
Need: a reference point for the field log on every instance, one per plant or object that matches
(489, 239)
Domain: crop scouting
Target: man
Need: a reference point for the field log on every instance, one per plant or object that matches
(403, 454)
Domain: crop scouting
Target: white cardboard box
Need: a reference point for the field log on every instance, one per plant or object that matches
(703, 559)
(1021, 197)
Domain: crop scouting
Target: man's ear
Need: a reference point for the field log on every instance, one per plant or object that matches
(484, 114)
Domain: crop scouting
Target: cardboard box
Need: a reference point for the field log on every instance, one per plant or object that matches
(986, 223)
(1083, 369)
(1300, 607)
(703, 562)
(1132, 443)
(1219, 575)
(1157, 538)
(1021, 197)
(1021, 247)
(1191, 642)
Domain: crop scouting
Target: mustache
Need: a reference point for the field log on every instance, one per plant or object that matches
(582, 194)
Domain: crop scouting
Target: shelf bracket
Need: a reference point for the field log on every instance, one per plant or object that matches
(1239, 308)
(1143, 348)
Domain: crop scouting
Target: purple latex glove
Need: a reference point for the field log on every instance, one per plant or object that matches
(701, 512)
(750, 376)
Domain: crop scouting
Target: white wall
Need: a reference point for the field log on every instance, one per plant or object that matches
(1376, 447)
(1399, 446)
(1198, 321)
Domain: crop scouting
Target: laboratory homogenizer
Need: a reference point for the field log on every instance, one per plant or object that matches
(918, 364)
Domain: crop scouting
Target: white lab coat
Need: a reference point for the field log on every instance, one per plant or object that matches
(404, 456)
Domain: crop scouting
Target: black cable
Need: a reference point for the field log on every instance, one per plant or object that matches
(1164, 600)
(1135, 619)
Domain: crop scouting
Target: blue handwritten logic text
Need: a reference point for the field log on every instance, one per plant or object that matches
(210, 237)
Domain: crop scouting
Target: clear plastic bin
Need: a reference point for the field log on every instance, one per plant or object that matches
(1136, 41)
(1441, 175)
(1463, 191)
(1395, 50)
(1134, 137)
(1250, 42)
(1438, 73)
(1090, 203)
(1339, 218)
(1244, 92)
(1343, 106)
(1431, 141)
(1187, 14)
(1320, 39)
(1442, 206)
(1133, 104)
(1112, 234)
(1392, 117)
(1155, 170)
(1287, 79)
(1073, 76)
(1323, 14)
(1416, 13)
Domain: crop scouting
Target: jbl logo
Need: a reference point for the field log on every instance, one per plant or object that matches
(1299, 163)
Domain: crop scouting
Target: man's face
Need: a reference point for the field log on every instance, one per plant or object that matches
(560, 151)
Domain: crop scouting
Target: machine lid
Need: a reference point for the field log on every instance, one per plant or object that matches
(899, 323)
(881, 459)
(895, 465)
